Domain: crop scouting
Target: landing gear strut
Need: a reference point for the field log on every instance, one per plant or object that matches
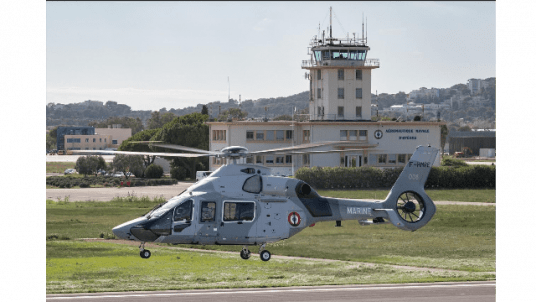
(143, 252)
(245, 253)
(265, 255)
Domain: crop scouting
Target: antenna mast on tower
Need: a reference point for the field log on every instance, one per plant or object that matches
(330, 31)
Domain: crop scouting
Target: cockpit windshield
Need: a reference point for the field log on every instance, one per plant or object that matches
(163, 208)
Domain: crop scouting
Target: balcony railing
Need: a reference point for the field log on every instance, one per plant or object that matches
(341, 63)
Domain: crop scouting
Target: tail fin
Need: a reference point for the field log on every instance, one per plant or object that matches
(408, 206)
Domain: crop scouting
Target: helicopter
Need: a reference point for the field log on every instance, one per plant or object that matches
(244, 205)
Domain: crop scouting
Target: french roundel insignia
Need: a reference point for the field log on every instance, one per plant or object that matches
(378, 134)
(294, 219)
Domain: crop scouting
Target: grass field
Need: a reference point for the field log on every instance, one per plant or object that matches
(59, 167)
(460, 238)
(100, 266)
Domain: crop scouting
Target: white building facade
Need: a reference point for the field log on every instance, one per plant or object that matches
(340, 77)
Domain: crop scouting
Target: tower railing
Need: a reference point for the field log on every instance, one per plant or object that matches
(366, 63)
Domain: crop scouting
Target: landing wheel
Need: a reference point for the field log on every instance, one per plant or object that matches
(145, 254)
(265, 255)
(245, 254)
(410, 207)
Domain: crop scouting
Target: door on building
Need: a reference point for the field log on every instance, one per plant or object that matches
(353, 161)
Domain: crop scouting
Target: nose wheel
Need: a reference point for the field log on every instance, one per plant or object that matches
(245, 253)
(145, 254)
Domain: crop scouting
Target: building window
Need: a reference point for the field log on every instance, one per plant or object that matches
(358, 93)
(358, 111)
(340, 74)
(105, 140)
(73, 140)
(373, 158)
(258, 159)
(288, 159)
(249, 135)
(391, 159)
(306, 159)
(343, 135)
(270, 135)
(249, 160)
(353, 135)
(359, 74)
(279, 135)
(401, 158)
(219, 135)
(319, 74)
(306, 135)
(320, 111)
(259, 135)
(319, 93)
(270, 159)
(100, 140)
(289, 134)
(362, 135)
(114, 142)
(94, 139)
(340, 111)
(279, 159)
(382, 158)
(340, 93)
(87, 140)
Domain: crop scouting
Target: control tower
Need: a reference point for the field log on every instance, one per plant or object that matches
(339, 77)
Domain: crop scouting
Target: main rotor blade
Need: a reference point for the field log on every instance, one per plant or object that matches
(326, 151)
(96, 152)
(305, 146)
(184, 148)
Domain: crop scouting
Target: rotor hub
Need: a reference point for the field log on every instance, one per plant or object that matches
(409, 207)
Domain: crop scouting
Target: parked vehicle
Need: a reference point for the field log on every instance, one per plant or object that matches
(69, 171)
(118, 174)
(201, 174)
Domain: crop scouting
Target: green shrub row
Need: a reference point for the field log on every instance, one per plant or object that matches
(107, 181)
(370, 177)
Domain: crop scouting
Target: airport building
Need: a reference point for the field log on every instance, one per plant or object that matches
(340, 110)
(90, 138)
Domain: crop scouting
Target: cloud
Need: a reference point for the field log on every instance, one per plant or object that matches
(261, 25)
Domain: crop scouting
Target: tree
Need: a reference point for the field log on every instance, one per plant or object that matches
(158, 120)
(89, 164)
(128, 163)
(131, 145)
(154, 171)
(233, 113)
(204, 110)
(188, 130)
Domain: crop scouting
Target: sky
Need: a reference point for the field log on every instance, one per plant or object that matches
(151, 55)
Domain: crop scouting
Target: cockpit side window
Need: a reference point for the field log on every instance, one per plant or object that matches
(183, 211)
(208, 211)
(253, 184)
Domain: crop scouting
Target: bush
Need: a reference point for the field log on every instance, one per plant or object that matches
(369, 177)
(453, 162)
(154, 171)
(179, 173)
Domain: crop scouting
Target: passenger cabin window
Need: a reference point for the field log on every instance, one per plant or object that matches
(238, 211)
(183, 211)
(253, 184)
(208, 211)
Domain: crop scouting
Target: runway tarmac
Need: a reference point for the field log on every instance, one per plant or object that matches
(437, 292)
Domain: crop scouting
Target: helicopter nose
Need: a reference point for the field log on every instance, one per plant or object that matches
(122, 231)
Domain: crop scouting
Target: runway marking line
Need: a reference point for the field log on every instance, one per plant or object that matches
(252, 291)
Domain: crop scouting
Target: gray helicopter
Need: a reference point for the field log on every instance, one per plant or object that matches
(243, 204)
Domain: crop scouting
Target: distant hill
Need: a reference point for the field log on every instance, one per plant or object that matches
(471, 108)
